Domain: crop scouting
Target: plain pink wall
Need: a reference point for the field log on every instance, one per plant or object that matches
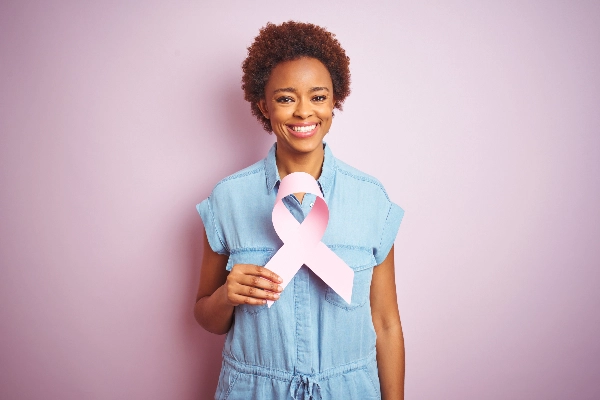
(480, 117)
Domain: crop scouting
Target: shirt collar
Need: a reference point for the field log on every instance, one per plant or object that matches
(325, 180)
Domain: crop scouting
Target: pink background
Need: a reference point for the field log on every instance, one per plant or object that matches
(480, 117)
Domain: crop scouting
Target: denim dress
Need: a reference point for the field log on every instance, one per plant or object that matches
(311, 343)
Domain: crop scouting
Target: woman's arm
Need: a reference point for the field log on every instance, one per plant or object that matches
(212, 310)
(220, 291)
(386, 320)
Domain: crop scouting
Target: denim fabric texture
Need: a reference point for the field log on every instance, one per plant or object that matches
(310, 344)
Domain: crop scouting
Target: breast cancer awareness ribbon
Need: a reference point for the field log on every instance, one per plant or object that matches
(302, 241)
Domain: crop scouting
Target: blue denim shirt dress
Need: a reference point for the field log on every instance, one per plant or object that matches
(311, 344)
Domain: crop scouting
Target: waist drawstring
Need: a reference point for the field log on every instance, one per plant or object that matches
(304, 387)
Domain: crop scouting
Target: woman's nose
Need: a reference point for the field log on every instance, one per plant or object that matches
(303, 109)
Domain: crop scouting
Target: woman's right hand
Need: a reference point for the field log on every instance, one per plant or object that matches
(252, 284)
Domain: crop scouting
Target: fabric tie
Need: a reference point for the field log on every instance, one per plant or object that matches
(302, 241)
(305, 388)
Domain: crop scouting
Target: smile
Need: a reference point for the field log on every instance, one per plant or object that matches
(303, 131)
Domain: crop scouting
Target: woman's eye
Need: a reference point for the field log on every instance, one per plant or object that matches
(320, 98)
(284, 99)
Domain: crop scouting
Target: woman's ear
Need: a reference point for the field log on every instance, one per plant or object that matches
(262, 106)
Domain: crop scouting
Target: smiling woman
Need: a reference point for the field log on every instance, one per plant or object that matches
(311, 344)
(298, 102)
(286, 42)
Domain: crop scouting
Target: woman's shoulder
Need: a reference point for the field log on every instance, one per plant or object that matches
(358, 178)
(242, 178)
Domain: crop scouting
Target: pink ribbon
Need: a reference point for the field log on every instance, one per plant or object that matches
(302, 241)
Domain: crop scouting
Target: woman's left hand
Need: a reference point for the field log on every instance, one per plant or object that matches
(252, 284)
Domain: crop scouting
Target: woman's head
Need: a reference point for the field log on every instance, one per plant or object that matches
(276, 44)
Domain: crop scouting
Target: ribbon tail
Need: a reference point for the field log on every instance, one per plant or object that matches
(318, 387)
(282, 263)
(294, 385)
(332, 270)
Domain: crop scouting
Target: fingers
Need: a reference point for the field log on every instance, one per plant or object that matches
(237, 300)
(261, 271)
(259, 282)
(252, 284)
(249, 295)
(243, 294)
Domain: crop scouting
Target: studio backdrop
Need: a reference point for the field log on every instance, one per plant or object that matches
(479, 117)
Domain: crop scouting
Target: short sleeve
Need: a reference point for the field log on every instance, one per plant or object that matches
(215, 238)
(389, 232)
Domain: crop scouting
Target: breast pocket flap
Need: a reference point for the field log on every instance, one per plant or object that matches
(362, 261)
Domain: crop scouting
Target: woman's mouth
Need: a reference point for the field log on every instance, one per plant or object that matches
(302, 131)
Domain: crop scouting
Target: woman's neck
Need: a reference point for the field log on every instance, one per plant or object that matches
(311, 163)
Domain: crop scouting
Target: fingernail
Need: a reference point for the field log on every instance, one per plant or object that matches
(279, 288)
(275, 295)
(279, 280)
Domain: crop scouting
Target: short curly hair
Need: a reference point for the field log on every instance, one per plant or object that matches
(289, 41)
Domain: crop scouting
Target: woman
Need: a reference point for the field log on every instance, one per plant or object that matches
(311, 344)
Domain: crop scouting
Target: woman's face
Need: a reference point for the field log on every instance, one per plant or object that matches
(299, 103)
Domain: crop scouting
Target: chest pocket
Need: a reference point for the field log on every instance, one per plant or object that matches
(256, 256)
(362, 261)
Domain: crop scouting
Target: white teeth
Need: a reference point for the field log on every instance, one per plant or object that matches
(304, 128)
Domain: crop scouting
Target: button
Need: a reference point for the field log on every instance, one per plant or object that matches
(312, 204)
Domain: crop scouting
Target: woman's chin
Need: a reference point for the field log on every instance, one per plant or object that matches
(301, 145)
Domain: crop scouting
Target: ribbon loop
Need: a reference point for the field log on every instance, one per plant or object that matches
(303, 387)
(302, 241)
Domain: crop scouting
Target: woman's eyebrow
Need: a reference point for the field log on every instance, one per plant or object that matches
(294, 90)
(287, 89)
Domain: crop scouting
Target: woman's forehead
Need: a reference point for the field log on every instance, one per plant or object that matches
(300, 74)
